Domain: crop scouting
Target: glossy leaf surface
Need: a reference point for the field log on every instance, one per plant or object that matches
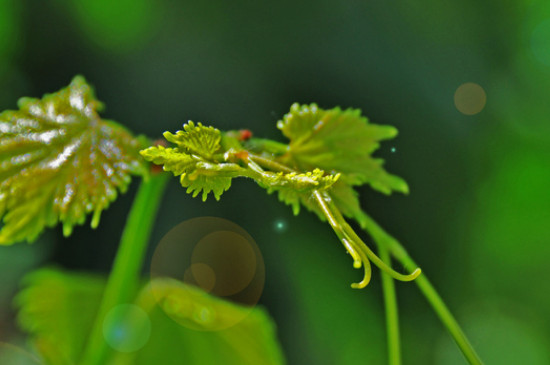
(60, 161)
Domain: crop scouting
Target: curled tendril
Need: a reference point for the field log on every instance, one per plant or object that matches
(356, 257)
(359, 251)
(367, 271)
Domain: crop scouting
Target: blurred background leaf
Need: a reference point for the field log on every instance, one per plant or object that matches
(58, 308)
(476, 217)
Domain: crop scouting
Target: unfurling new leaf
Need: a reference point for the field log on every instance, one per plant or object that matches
(60, 161)
(204, 166)
(192, 159)
(196, 139)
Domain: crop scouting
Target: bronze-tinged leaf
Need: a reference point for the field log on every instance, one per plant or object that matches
(60, 161)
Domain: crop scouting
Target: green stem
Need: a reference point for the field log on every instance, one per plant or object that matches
(124, 279)
(358, 255)
(392, 317)
(347, 231)
(270, 164)
(383, 239)
(385, 242)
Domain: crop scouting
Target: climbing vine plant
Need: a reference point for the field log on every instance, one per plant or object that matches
(59, 162)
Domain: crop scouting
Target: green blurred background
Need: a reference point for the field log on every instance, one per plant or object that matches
(477, 218)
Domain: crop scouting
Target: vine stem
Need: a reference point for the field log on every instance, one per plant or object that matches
(383, 239)
(389, 243)
(392, 316)
(123, 281)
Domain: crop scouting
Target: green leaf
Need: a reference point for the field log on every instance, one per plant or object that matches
(193, 159)
(196, 139)
(171, 158)
(205, 331)
(197, 173)
(339, 141)
(57, 308)
(346, 199)
(206, 167)
(60, 161)
(197, 183)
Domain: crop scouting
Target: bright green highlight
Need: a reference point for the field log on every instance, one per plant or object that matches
(521, 177)
(119, 25)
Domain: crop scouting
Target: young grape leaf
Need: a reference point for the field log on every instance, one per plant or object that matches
(58, 308)
(197, 183)
(59, 161)
(339, 141)
(196, 139)
(206, 167)
(198, 172)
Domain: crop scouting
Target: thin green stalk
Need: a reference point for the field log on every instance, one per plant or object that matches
(383, 239)
(392, 316)
(270, 164)
(124, 279)
(333, 214)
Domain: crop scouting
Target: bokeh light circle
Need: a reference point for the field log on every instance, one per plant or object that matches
(470, 98)
(280, 225)
(202, 274)
(211, 255)
(127, 328)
